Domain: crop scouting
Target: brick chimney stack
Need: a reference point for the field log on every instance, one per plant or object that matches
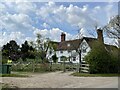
(63, 37)
(100, 35)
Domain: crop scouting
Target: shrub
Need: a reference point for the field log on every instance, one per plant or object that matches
(54, 58)
(101, 60)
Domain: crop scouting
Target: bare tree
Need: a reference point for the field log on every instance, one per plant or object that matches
(112, 29)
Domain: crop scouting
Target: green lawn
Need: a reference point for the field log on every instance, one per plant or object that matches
(94, 75)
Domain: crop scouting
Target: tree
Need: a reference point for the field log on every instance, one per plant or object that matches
(31, 52)
(11, 50)
(54, 58)
(24, 51)
(34, 53)
(27, 51)
(113, 31)
(43, 45)
(113, 28)
(101, 60)
(50, 52)
(40, 47)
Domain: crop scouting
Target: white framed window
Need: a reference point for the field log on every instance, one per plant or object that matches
(68, 44)
(74, 58)
(61, 51)
(84, 49)
(68, 51)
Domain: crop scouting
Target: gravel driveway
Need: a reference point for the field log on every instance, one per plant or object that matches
(61, 80)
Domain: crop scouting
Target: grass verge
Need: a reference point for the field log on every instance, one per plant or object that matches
(13, 75)
(94, 75)
(8, 87)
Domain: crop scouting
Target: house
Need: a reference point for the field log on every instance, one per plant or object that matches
(76, 50)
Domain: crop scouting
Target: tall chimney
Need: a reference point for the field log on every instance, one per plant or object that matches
(100, 35)
(63, 37)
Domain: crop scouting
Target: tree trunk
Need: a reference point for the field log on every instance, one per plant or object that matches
(33, 65)
(51, 66)
(64, 65)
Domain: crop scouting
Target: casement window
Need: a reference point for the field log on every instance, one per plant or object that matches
(84, 50)
(68, 44)
(74, 58)
(61, 51)
(50, 52)
(68, 51)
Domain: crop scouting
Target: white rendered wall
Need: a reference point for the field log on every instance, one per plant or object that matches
(84, 44)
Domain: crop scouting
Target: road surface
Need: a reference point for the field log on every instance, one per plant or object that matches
(61, 80)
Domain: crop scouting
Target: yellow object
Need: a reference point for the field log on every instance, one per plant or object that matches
(9, 61)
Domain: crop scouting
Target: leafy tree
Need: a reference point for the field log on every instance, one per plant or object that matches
(100, 60)
(27, 51)
(113, 31)
(42, 46)
(54, 58)
(11, 50)
(24, 50)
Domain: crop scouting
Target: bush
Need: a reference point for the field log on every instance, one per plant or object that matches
(101, 60)
(28, 66)
(54, 58)
(3, 60)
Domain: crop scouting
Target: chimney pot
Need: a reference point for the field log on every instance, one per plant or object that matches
(63, 35)
(100, 35)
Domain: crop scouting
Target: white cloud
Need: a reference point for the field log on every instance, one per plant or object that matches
(97, 7)
(28, 7)
(85, 8)
(109, 11)
(2, 8)
(53, 34)
(28, 39)
(45, 25)
(50, 3)
(73, 15)
(16, 22)
(17, 18)
(6, 37)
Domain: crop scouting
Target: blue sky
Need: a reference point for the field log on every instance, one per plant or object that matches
(21, 21)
